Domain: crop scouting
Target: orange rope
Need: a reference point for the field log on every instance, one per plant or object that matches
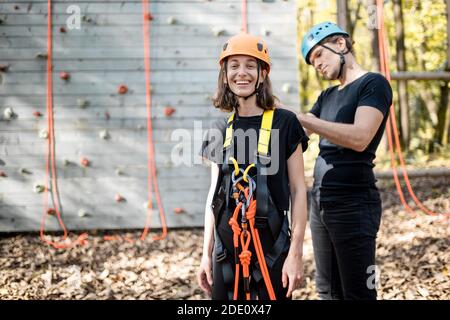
(236, 233)
(151, 173)
(251, 213)
(392, 122)
(50, 158)
(245, 255)
(152, 179)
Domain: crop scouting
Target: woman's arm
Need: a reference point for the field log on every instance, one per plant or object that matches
(204, 275)
(293, 267)
(208, 240)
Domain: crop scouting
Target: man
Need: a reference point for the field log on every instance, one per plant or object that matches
(346, 209)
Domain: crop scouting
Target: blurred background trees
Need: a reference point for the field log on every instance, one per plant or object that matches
(418, 49)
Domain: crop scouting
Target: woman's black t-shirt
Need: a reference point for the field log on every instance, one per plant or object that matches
(286, 135)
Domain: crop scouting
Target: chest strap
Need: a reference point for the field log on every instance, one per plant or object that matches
(264, 132)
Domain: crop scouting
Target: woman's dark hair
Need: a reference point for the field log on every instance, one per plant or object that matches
(226, 100)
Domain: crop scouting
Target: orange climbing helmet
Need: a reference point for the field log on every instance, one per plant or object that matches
(246, 44)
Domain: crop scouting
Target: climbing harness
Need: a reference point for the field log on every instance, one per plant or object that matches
(246, 204)
(258, 214)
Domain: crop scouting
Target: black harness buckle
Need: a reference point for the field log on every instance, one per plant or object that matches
(221, 256)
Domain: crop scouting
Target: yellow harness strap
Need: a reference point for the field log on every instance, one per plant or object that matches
(264, 132)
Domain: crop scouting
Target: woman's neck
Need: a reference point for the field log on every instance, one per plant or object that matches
(248, 108)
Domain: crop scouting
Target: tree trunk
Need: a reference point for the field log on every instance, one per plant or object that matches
(343, 14)
(442, 129)
(441, 134)
(374, 41)
(401, 66)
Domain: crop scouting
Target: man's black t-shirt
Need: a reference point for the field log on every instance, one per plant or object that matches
(285, 129)
(340, 170)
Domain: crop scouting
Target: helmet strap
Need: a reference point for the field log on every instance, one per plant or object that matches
(341, 58)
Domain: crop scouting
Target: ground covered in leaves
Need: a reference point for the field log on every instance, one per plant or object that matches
(412, 254)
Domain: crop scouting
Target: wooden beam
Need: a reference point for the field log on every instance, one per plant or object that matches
(438, 75)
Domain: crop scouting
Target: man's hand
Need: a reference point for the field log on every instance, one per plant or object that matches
(301, 117)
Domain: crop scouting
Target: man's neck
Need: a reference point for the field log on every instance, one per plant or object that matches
(351, 72)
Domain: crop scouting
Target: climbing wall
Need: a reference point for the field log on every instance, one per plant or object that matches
(100, 110)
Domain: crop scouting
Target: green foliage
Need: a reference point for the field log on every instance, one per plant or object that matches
(426, 43)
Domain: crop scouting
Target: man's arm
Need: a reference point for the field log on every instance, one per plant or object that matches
(356, 136)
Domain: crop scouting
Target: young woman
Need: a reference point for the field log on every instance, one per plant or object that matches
(246, 257)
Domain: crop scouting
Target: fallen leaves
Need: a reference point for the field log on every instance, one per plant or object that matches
(412, 253)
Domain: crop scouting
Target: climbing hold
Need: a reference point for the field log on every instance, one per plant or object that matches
(218, 31)
(104, 134)
(171, 20)
(62, 30)
(287, 88)
(37, 114)
(149, 16)
(119, 198)
(51, 211)
(84, 162)
(16, 7)
(38, 188)
(3, 174)
(4, 67)
(179, 210)
(107, 115)
(122, 89)
(82, 103)
(67, 162)
(168, 164)
(41, 55)
(2, 163)
(25, 171)
(9, 114)
(119, 172)
(82, 213)
(43, 134)
(168, 111)
(86, 18)
(265, 32)
(64, 76)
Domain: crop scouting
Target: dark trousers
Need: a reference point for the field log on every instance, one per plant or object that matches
(344, 241)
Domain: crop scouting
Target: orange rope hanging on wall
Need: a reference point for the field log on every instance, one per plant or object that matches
(384, 64)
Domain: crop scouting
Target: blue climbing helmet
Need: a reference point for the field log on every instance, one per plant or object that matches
(316, 34)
